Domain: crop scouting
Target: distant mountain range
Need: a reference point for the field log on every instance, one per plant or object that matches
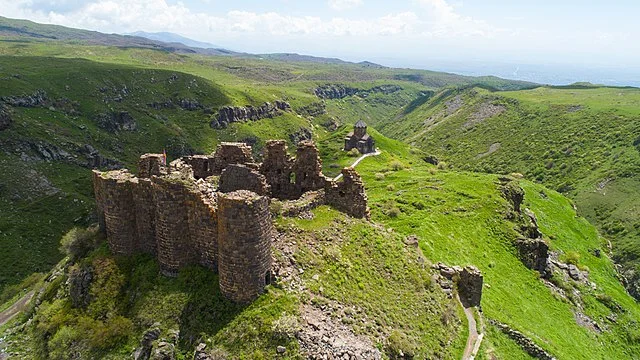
(169, 37)
(161, 41)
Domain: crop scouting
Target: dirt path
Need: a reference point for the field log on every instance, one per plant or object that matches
(474, 339)
(358, 161)
(16, 308)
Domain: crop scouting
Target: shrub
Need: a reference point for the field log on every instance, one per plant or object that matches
(65, 342)
(399, 346)
(442, 165)
(379, 176)
(353, 152)
(286, 327)
(391, 187)
(78, 242)
(397, 165)
(572, 257)
(394, 212)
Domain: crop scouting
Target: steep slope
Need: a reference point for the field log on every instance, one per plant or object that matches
(582, 141)
(68, 116)
(362, 284)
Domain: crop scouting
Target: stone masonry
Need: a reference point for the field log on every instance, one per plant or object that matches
(348, 195)
(240, 177)
(245, 231)
(177, 213)
(277, 168)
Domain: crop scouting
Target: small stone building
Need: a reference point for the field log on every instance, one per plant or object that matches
(359, 139)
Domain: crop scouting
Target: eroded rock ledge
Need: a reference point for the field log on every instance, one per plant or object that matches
(339, 91)
(230, 114)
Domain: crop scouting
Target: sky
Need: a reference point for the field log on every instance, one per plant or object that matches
(499, 36)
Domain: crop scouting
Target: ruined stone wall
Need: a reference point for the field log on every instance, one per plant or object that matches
(308, 168)
(200, 165)
(119, 212)
(277, 168)
(203, 229)
(348, 195)
(245, 234)
(240, 177)
(229, 153)
(172, 224)
(470, 286)
(145, 210)
(150, 164)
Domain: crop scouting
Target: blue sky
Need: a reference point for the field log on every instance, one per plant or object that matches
(415, 33)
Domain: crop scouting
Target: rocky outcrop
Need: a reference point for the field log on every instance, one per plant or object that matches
(146, 344)
(79, 283)
(5, 118)
(97, 161)
(313, 109)
(301, 135)
(524, 342)
(512, 191)
(38, 98)
(190, 104)
(339, 91)
(231, 114)
(534, 254)
(116, 121)
(468, 281)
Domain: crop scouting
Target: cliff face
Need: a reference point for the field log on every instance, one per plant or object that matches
(231, 114)
(339, 91)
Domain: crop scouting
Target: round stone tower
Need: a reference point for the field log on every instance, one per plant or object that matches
(244, 244)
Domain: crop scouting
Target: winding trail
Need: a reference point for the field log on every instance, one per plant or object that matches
(16, 308)
(378, 152)
(474, 339)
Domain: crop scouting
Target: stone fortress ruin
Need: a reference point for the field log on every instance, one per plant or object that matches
(214, 210)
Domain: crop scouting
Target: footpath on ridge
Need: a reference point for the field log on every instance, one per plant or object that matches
(358, 161)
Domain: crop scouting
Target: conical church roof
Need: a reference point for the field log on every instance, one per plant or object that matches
(360, 124)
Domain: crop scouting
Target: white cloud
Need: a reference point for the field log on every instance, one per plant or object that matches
(344, 4)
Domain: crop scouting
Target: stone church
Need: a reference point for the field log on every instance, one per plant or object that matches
(359, 139)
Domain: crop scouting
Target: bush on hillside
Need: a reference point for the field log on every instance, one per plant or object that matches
(399, 346)
(78, 242)
(353, 152)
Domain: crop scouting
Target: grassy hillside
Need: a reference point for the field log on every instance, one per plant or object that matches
(75, 114)
(368, 278)
(79, 87)
(580, 141)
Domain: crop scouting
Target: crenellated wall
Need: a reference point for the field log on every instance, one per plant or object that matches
(176, 212)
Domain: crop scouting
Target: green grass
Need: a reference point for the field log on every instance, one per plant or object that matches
(582, 142)
(459, 218)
